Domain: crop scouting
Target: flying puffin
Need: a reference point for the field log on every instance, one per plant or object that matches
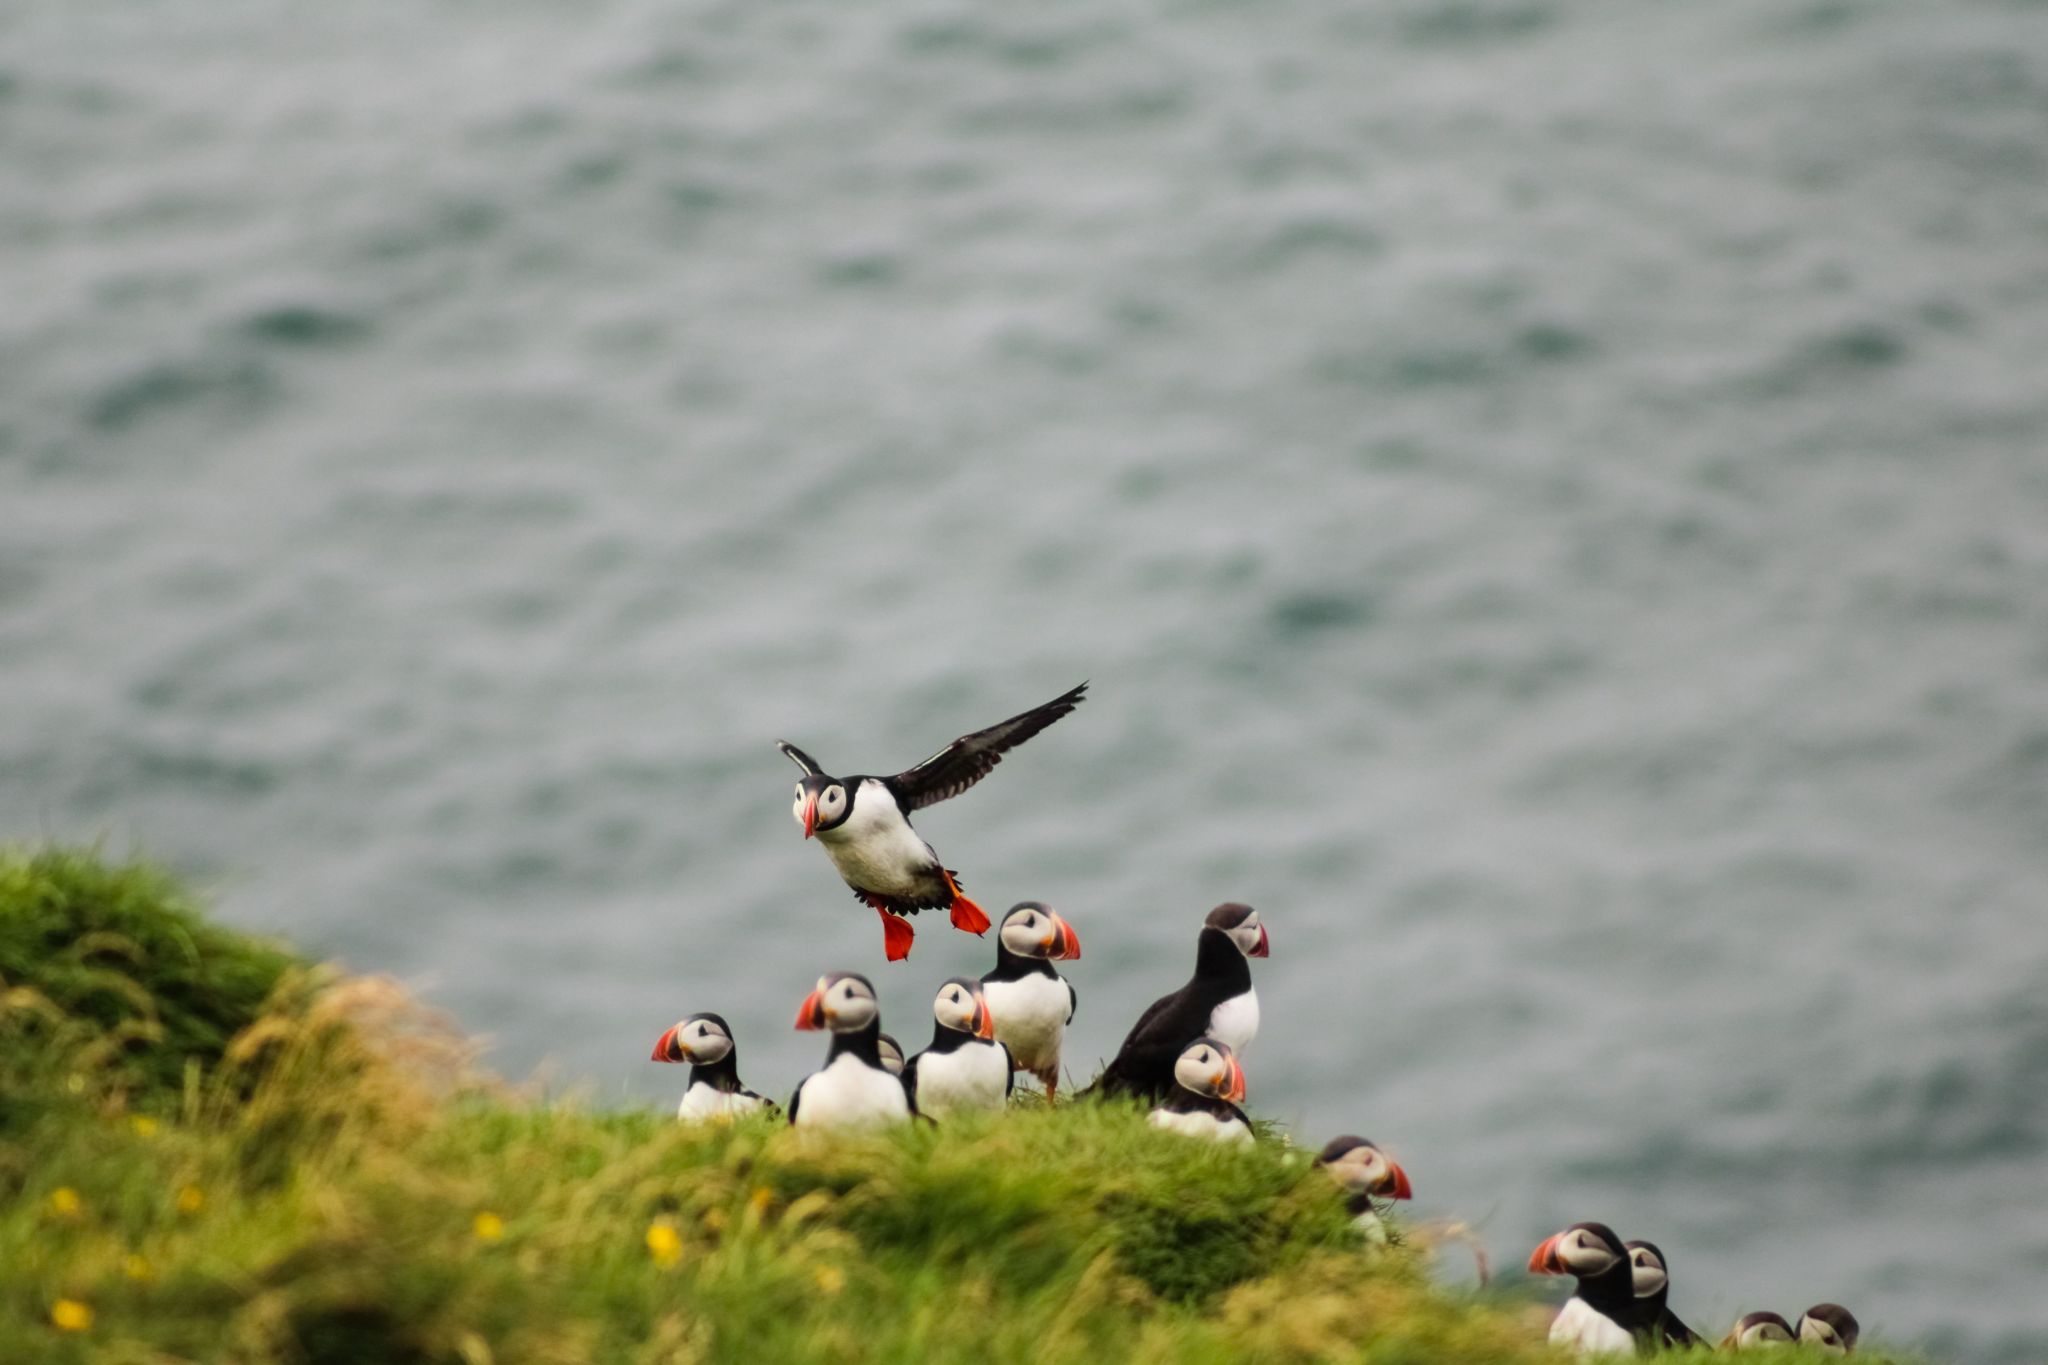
(1033, 1004)
(864, 823)
(1218, 1002)
(1364, 1170)
(964, 1068)
(1652, 1283)
(892, 1054)
(853, 1089)
(1600, 1314)
(1829, 1326)
(1208, 1084)
(1757, 1329)
(714, 1090)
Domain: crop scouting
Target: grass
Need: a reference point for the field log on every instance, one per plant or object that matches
(212, 1151)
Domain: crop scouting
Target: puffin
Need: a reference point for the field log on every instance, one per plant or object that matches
(892, 1054)
(964, 1067)
(1757, 1329)
(1218, 1002)
(1208, 1082)
(1652, 1282)
(714, 1090)
(1599, 1317)
(1362, 1169)
(864, 823)
(1033, 1004)
(853, 1089)
(1829, 1326)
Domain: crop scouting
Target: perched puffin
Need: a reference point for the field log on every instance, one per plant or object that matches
(1829, 1326)
(864, 823)
(1652, 1282)
(1217, 1002)
(1598, 1317)
(964, 1068)
(1757, 1329)
(1033, 1004)
(892, 1054)
(853, 1089)
(714, 1091)
(1365, 1171)
(1208, 1084)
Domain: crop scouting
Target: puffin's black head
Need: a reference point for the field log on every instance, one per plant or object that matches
(1241, 923)
(1647, 1269)
(1362, 1168)
(961, 1007)
(821, 803)
(892, 1054)
(700, 1039)
(1210, 1069)
(1585, 1250)
(1034, 929)
(1758, 1329)
(841, 1001)
(1829, 1326)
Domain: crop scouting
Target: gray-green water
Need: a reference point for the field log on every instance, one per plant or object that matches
(1553, 498)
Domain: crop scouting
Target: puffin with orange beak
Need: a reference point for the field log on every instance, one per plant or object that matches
(714, 1090)
(853, 1089)
(1600, 1316)
(1033, 1003)
(1218, 1002)
(1208, 1083)
(1361, 1168)
(864, 823)
(965, 1067)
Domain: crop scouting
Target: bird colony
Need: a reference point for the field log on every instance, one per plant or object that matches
(1183, 1056)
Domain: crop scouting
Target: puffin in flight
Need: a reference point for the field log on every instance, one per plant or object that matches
(714, 1090)
(1652, 1283)
(1364, 1171)
(965, 1067)
(1218, 1001)
(1599, 1317)
(1033, 1003)
(1208, 1082)
(1829, 1326)
(864, 823)
(1757, 1329)
(853, 1089)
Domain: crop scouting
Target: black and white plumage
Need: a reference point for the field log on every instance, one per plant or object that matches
(1600, 1316)
(1650, 1279)
(1365, 1173)
(1758, 1329)
(1829, 1326)
(1033, 1004)
(714, 1090)
(864, 823)
(1218, 1001)
(853, 1089)
(1208, 1082)
(965, 1067)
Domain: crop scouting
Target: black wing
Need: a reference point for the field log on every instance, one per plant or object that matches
(970, 758)
(796, 1097)
(1144, 1064)
(800, 758)
(1009, 1071)
(1073, 1001)
(909, 1079)
(1676, 1333)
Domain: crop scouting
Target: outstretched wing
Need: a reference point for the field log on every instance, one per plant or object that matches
(970, 758)
(800, 758)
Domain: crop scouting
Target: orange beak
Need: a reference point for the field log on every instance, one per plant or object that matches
(665, 1048)
(1544, 1260)
(1235, 1094)
(1265, 947)
(810, 813)
(984, 1022)
(1069, 944)
(1396, 1186)
(811, 1014)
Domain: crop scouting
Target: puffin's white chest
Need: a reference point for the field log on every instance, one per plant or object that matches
(1235, 1022)
(1370, 1228)
(1031, 1017)
(972, 1076)
(849, 1093)
(706, 1101)
(1202, 1124)
(876, 849)
(1588, 1331)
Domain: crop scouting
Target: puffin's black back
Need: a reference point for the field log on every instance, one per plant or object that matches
(1143, 1066)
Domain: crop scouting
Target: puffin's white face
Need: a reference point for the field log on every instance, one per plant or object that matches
(1250, 936)
(1814, 1332)
(820, 804)
(1647, 1271)
(699, 1040)
(1365, 1169)
(1830, 1327)
(1208, 1068)
(1033, 930)
(844, 1003)
(959, 1006)
(1578, 1250)
(1760, 1329)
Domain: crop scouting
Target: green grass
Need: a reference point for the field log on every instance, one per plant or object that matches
(222, 1154)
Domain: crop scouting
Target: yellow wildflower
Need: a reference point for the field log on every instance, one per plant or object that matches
(758, 1202)
(191, 1199)
(65, 1203)
(664, 1243)
(830, 1279)
(488, 1227)
(144, 1126)
(137, 1267)
(69, 1315)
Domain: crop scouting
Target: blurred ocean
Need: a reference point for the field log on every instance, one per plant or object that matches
(1552, 496)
